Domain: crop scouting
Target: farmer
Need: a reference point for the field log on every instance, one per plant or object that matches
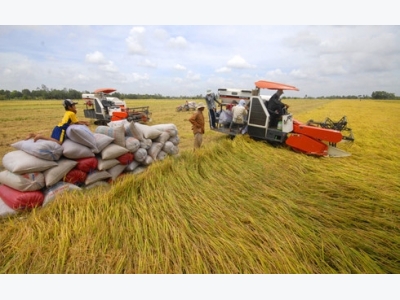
(197, 120)
(239, 117)
(59, 132)
(210, 99)
(239, 112)
(276, 108)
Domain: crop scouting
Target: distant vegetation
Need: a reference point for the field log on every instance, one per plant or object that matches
(44, 93)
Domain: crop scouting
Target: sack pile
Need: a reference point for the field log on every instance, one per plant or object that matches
(37, 171)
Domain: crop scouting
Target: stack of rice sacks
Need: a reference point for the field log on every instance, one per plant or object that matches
(37, 171)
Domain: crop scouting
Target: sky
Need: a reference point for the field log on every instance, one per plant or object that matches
(150, 55)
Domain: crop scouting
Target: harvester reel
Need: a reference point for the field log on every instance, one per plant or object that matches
(341, 126)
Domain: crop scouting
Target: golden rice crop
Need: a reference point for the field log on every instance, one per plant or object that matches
(233, 207)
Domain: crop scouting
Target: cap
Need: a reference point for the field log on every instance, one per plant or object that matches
(69, 103)
(200, 105)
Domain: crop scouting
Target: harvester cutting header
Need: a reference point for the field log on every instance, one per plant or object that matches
(104, 108)
(311, 138)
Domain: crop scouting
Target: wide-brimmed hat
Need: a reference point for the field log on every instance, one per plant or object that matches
(200, 105)
(209, 92)
(69, 103)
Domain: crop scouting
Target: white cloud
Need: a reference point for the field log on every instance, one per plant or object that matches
(137, 30)
(135, 41)
(223, 70)
(177, 80)
(179, 67)
(193, 76)
(147, 63)
(81, 77)
(298, 74)
(109, 67)
(276, 72)
(237, 62)
(178, 42)
(96, 58)
(139, 77)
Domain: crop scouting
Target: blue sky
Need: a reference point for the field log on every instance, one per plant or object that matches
(152, 55)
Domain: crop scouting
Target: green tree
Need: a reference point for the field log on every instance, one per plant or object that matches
(15, 94)
(382, 95)
(26, 94)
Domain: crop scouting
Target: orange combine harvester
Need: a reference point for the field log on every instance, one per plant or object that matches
(311, 138)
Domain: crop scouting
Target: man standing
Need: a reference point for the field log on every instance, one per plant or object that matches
(210, 99)
(197, 120)
(276, 108)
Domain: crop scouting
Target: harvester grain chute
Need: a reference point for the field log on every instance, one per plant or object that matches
(104, 108)
(311, 138)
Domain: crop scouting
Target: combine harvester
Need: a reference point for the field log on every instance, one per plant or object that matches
(311, 138)
(104, 108)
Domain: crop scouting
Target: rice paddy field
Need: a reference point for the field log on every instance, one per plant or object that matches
(236, 206)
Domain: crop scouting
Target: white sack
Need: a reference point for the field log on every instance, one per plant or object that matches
(43, 149)
(140, 155)
(23, 182)
(97, 176)
(117, 132)
(104, 164)
(20, 162)
(56, 174)
(132, 144)
(154, 150)
(116, 171)
(74, 150)
(102, 141)
(133, 131)
(5, 210)
(81, 134)
(113, 151)
(148, 132)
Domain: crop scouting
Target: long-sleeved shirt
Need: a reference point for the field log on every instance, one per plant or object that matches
(197, 120)
(210, 99)
(275, 105)
(239, 114)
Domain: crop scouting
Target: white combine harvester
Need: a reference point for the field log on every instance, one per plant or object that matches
(104, 108)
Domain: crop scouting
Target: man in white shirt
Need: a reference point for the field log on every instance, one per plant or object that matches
(239, 115)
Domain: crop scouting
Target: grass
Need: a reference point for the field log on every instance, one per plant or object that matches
(233, 207)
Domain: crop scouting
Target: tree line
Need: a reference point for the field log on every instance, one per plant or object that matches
(44, 93)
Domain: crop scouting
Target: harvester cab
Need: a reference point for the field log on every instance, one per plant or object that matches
(313, 138)
(104, 108)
